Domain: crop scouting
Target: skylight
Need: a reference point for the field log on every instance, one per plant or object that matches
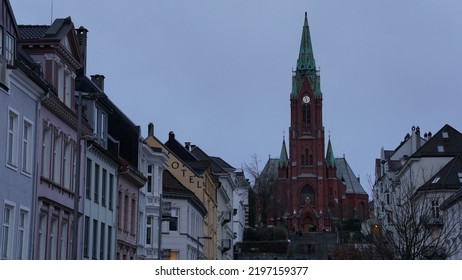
(437, 179)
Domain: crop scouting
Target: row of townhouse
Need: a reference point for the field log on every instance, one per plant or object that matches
(417, 201)
(77, 179)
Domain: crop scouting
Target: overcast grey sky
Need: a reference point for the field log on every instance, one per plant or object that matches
(218, 73)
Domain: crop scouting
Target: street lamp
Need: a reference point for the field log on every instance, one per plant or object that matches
(198, 242)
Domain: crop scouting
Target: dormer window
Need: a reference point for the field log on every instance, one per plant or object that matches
(9, 48)
(64, 85)
(100, 126)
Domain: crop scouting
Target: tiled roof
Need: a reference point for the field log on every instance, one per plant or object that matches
(32, 32)
(346, 175)
(223, 164)
(447, 178)
(448, 138)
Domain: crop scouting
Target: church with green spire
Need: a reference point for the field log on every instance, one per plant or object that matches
(313, 191)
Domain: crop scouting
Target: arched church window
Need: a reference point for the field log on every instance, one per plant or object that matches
(307, 157)
(303, 160)
(306, 113)
(307, 196)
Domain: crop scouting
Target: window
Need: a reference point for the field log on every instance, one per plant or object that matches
(64, 239)
(435, 210)
(445, 134)
(7, 232)
(149, 230)
(133, 214)
(88, 179)
(306, 113)
(119, 217)
(111, 191)
(42, 236)
(86, 237)
(46, 152)
(149, 183)
(57, 158)
(9, 48)
(109, 242)
(104, 188)
(67, 88)
(440, 148)
(459, 174)
(96, 185)
(12, 139)
(23, 226)
(54, 238)
(94, 239)
(173, 225)
(101, 241)
(126, 209)
(27, 147)
(67, 165)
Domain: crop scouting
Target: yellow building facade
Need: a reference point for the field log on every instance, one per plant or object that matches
(203, 185)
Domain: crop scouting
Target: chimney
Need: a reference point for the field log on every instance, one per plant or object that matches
(171, 136)
(98, 80)
(193, 147)
(151, 130)
(187, 145)
(82, 40)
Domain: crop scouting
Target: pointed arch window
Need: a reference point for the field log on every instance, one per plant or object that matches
(307, 196)
(306, 113)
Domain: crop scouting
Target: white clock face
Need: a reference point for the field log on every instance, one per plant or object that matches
(306, 99)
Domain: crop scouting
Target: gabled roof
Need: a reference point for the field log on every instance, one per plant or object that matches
(330, 159)
(173, 188)
(346, 175)
(271, 168)
(201, 155)
(178, 149)
(61, 33)
(449, 177)
(452, 144)
(283, 157)
(223, 164)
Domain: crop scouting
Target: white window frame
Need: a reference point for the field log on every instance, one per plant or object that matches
(12, 139)
(6, 245)
(175, 213)
(47, 144)
(149, 230)
(26, 149)
(68, 165)
(57, 157)
(23, 231)
(9, 48)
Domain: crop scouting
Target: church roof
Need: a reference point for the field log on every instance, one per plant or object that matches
(330, 159)
(347, 176)
(306, 65)
(305, 56)
(283, 158)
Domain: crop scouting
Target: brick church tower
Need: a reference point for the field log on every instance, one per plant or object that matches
(312, 187)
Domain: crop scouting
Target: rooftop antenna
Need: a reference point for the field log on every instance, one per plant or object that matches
(51, 12)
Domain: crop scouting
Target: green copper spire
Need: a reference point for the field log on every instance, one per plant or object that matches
(283, 158)
(330, 159)
(305, 57)
(306, 66)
